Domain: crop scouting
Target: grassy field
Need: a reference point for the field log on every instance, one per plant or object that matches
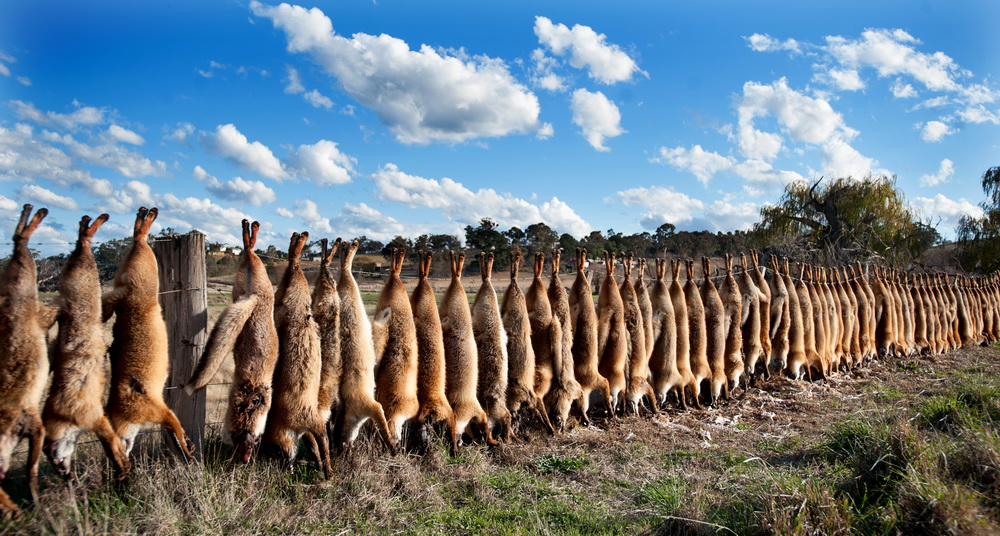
(899, 447)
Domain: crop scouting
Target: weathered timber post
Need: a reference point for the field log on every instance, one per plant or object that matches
(184, 299)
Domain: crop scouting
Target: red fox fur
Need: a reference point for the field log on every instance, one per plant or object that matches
(395, 336)
(295, 411)
(612, 335)
(139, 358)
(520, 354)
(24, 363)
(584, 323)
(326, 312)
(491, 348)
(76, 397)
(565, 389)
(357, 351)
(247, 329)
(461, 355)
(431, 369)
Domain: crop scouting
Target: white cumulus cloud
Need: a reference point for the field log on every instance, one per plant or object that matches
(803, 119)
(180, 132)
(842, 79)
(238, 189)
(460, 204)
(597, 117)
(766, 43)
(125, 135)
(760, 173)
(81, 116)
(605, 62)
(944, 173)
(110, 155)
(726, 215)
(421, 95)
(361, 219)
(317, 99)
(322, 163)
(934, 131)
(255, 157)
(308, 210)
(662, 205)
(293, 81)
(891, 53)
(703, 164)
(24, 158)
(944, 211)
(45, 197)
(544, 75)
(902, 90)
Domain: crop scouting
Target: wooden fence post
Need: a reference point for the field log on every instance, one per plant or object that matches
(184, 299)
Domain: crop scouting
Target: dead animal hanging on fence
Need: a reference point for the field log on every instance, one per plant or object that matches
(246, 327)
(732, 302)
(461, 356)
(715, 313)
(666, 377)
(491, 346)
(357, 353)
(139, 353)
(295, 410)
(638, 357)
(565, 389)
(584, 322)
(540, 316)
(612, 335)
(326, 312)
(752, 299)
(395, 337)
(701, 370)
(431, 370)
(520, 354)
(76, 397)
(24, 363)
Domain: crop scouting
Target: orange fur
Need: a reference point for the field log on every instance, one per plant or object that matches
(24, 364)
(139, 353)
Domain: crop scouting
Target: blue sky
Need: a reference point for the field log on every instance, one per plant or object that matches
(400, 118)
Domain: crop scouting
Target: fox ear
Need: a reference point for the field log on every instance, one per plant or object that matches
(36, 220)
(96, 224)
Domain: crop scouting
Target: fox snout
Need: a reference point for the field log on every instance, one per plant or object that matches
(245, 442)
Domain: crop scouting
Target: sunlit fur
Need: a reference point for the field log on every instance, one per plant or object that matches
(431, 371)
(295, 410)
(24, 364)
(715, 313)
(357, 357)
(666, 376)
(520, 354)
(701, 370)
(139, 353)
(566, 390)
(612, 336)
(583, 315)
(247, 328)
(461, 356)
(326, 312)
(732, 302)
(491, 345)
(76, 396)
(395, 337)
